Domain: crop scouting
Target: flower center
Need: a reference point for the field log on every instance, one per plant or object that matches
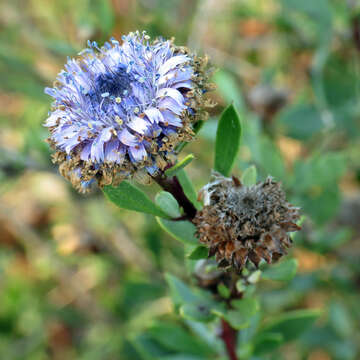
(115, 83)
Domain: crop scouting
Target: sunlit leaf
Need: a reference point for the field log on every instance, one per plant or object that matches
(167, 203)
(249, 176)
(227, 140)
(188, 187)
(130, 197)
(182, 231)
(283, 271)
(180, 165)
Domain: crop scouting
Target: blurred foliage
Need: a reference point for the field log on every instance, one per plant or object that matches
(81, 279)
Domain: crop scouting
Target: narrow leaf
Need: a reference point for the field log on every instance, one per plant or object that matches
(197, 253)
(267, 343)
(180, 165)
(249, 176)
(284, 271)
(243, 310)
(292, 324)
(175, 338)
(188, 188)
(227, 140)
(196, 312)
(130, 197)
(180, 292)
(198, 126)
(148, 348)
(168, 204)
(182, 231)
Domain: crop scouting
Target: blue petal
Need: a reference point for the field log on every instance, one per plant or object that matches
(172, 63)
(127, 138)
(172, 93)
(154, 115)
(171, 104)
(138, 152)
(171, 119)
(138, 124)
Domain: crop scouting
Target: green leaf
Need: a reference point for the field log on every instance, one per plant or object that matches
(240, 286)
(227, 140)
(198, 126)
(180, 292)
(254, 277)
(292, 324)
(193, 304)
(244, 310)
(180, 165)
(223, 291)
(319, 10)
(198, 252)
(182, 357)
(196, 312)
(148, 348)
(130, 197)
(175, 338)
(246, 306)
(267, 343)
(326, 240)
(182, 231)
(249, 176)
(188, 188)
(341, 320)
(283, 271)
(301, 121)
(168, 204)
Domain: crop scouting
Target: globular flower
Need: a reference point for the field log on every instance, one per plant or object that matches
(242, 224)
(120, 110)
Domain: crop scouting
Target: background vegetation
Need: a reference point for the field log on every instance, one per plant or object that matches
(81, 279)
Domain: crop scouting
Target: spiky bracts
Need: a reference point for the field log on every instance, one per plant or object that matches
(120, 110)
(241, 224)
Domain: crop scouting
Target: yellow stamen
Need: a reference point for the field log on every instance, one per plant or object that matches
(119, 120)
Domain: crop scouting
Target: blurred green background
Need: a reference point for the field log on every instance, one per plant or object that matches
(79, 278)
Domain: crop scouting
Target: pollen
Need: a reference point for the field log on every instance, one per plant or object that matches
(119, 120)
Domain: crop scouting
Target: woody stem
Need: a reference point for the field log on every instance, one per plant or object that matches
(228, 336)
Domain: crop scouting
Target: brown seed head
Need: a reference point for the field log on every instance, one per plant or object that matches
(245, 223)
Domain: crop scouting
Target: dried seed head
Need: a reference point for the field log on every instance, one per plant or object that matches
(240, 223)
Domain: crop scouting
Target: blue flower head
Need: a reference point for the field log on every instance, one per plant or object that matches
(120, 110)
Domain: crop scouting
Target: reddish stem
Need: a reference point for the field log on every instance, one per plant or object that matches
(356, 31)
(228, 335)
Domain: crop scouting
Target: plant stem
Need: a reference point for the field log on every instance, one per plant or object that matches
(173, 186)
(228, 335)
